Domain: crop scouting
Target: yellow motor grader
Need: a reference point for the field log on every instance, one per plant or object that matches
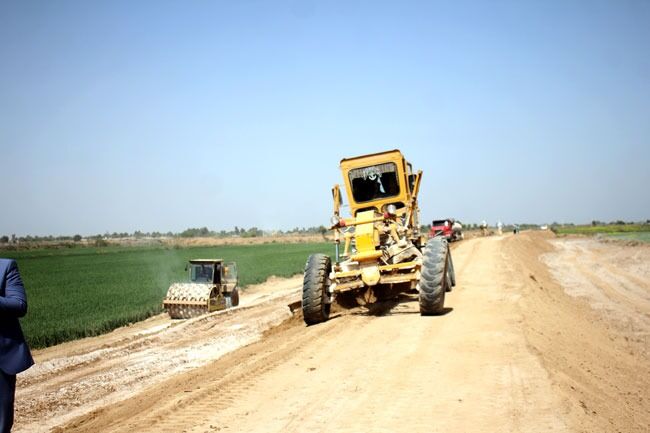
(212, 286)
(384, 252)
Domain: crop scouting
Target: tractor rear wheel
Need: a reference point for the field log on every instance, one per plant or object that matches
(434, 277)
(315, 296)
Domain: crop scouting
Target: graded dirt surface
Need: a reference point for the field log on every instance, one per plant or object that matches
(73, 378)
(540, 334)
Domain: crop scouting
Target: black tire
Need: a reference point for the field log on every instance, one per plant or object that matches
(234, 297)
(315, 308)
(434, 277)
(452, 272)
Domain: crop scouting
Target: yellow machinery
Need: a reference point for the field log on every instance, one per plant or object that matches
(212, 286)
(384, 252)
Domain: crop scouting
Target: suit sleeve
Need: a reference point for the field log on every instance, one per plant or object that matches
(14, 303)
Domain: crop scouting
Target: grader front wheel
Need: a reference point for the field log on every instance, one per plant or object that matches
(315, 297)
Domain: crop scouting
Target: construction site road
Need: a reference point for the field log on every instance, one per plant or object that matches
(540, 334)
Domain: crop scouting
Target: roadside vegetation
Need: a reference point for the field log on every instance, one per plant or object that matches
(636, 236)
(82, 292)
(601, 228)
(19, 243)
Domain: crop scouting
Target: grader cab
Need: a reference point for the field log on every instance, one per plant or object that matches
(384, 252)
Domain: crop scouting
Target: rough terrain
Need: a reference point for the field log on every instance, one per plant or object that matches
(541, 334)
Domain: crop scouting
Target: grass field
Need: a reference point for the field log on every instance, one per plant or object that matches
(74, 293)
(604, 229)
(638, 236)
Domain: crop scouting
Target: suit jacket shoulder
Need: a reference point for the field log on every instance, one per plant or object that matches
(5, 265)
(15, 355)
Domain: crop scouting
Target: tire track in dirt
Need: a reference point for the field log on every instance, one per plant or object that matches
(117, 365)
(468, 370)
(203, 393)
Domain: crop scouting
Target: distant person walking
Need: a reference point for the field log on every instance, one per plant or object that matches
(14, 352)
(484, 227)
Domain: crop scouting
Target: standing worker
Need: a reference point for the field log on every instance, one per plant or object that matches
(14, 352)
(483, 228)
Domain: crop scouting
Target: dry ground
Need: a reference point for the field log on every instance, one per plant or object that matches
(541, 334)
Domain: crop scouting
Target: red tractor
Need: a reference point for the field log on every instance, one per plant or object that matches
(451, 229)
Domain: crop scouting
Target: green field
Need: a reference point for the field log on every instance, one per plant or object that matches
(603, 229)
(74, 293)
(638, 236)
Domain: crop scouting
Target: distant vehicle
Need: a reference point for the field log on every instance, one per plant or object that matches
(544, 227)
(449, 228)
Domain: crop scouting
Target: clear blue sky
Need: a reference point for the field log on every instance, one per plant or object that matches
(123, 116)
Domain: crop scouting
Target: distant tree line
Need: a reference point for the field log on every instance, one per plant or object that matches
(252, 232)
(597, 223)
(526, 226)
(187, 233)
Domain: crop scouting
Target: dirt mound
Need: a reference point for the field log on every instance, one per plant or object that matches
(596, 353)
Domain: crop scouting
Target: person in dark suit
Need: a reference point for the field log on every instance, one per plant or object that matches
(14, 352)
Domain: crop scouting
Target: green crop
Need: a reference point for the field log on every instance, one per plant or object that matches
(637, 236)
(604, 229)
(75, 293)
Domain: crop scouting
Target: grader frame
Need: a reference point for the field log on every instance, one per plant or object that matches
(383, 248)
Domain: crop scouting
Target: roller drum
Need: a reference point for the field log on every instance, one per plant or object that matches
(187, 300)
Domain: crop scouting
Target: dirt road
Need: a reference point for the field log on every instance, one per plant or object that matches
(519, 351)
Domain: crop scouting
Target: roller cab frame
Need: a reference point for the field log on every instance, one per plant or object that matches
(212, 286)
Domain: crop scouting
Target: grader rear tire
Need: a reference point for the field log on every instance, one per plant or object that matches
(315, 298)
(434, 278)
(451, 272)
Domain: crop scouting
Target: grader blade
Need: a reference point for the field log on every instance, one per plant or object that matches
(295, 306)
